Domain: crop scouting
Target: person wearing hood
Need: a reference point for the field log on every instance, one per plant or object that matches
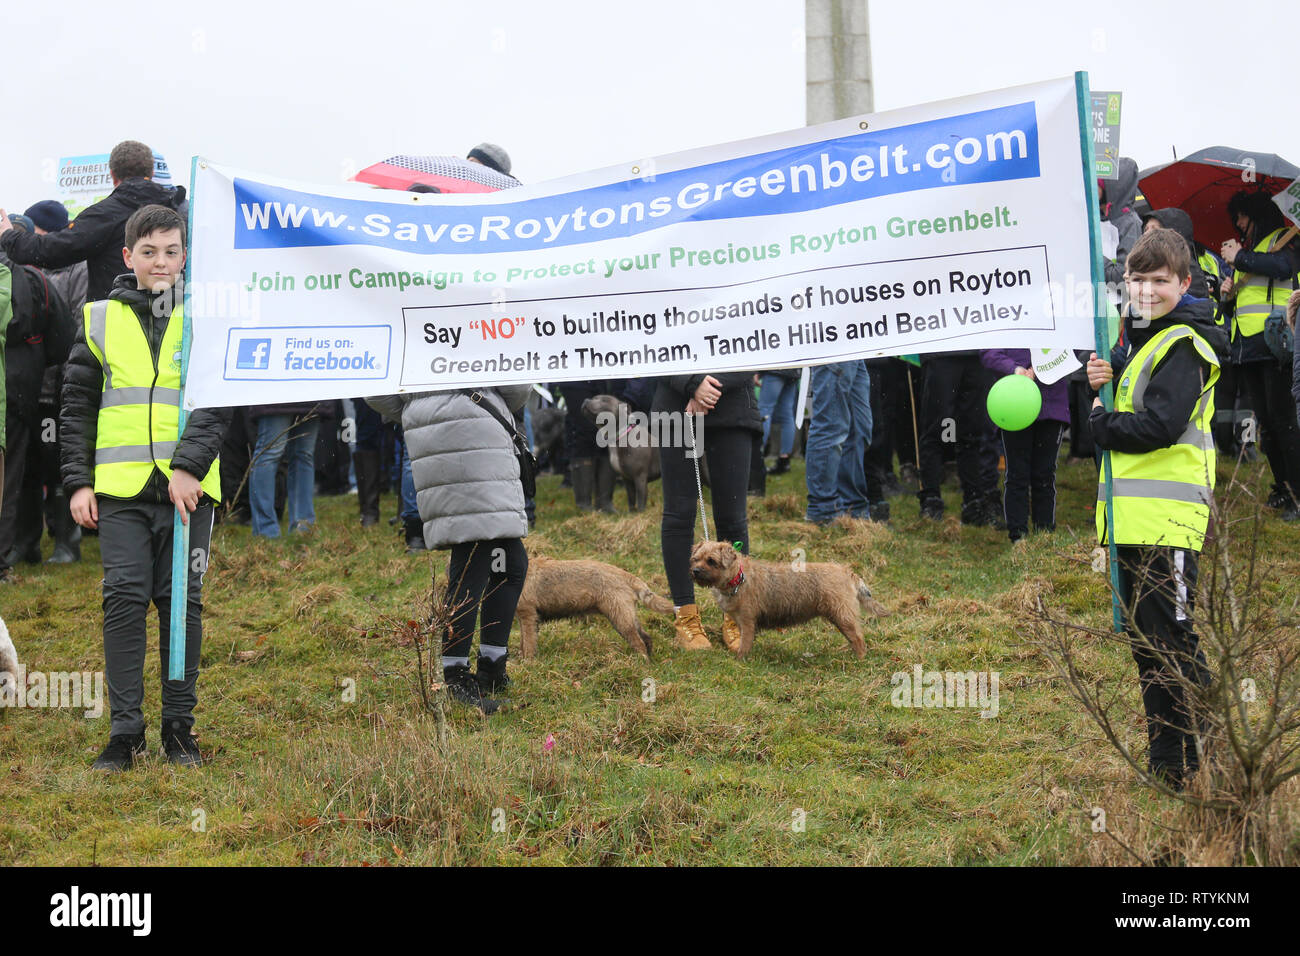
(1264, 275)
(1162, 461)
(98, 235)
(1117, 201)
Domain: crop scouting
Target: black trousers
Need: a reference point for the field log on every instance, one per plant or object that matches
(1229, 411)
(42, 501)
(484, 581)
(1030, 489)
(888, 388)
(1081, 396)
(236, 455)
(1161, 585)
(579, 432)
(1266, 391)
(727, 451)
(19, 435)
(135, 543)
(953, 409)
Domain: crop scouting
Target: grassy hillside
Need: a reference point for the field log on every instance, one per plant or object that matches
(795, 756)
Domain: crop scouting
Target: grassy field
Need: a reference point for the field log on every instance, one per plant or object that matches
(320, 752)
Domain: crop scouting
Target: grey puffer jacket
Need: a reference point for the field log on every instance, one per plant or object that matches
(463, 462)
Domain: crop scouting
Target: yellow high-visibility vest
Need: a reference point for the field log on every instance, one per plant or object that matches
(1162, 497)
(1209, 265)
(1254, 302)
(139, 408)
(1210, 268)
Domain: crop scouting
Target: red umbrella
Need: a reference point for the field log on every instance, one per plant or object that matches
(450, 174)
(1201, 184)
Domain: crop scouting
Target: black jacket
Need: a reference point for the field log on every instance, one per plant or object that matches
(95, 237)
(737, 407)
(83, 383)
(1175, 386)
(39, 335)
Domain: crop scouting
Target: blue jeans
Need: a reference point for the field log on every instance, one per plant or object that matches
(777, 396)
(276, 435)
(838, 436)
(407, 511)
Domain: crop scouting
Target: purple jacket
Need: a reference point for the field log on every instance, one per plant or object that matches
(1056, 397)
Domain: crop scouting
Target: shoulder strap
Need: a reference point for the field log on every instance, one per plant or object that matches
(479, 399)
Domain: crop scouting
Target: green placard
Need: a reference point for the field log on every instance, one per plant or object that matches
(1105, 113)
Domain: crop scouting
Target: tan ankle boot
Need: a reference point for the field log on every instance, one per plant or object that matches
(690, 630)
(730, 633)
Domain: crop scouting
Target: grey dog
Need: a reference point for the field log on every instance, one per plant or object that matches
(633, 453)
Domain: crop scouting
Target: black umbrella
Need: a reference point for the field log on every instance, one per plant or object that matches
(1202, 183)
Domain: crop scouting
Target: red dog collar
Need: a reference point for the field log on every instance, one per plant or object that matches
(737, 581)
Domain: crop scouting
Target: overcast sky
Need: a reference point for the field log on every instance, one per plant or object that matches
(316, 92)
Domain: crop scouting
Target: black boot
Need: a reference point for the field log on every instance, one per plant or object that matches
(121, 752)
(366, 464)
(781, 467)
(31, 554)
(414, 536)
(491, 675)
(180, 747)
(993, 512)
(67, 533)
(464, 689)
(605, 485)
(583, 473)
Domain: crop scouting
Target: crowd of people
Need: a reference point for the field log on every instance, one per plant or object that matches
(91, 314)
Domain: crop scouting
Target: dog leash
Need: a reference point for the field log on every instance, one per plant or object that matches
(695, 460)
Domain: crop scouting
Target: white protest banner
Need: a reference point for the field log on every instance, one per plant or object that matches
(955, 225)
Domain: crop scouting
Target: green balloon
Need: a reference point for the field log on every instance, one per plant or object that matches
(1014, 402)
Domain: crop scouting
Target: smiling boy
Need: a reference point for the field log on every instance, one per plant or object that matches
(124, 472)
(1162, 461)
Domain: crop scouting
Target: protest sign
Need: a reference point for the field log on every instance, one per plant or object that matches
(961, 224)
(1288, 200)
(84, 180)
(1105, 133)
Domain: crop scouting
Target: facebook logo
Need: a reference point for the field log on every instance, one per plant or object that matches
(253, 353)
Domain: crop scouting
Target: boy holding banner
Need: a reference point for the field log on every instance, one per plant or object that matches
(1163, 461)
(124, 472)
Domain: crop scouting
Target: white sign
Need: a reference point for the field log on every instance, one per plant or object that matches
(1288, 200)
(84, 180)
(956, 225)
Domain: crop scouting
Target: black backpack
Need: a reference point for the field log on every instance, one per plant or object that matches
(41, 317)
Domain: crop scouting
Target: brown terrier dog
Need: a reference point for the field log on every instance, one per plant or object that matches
(555, 589)
(754, 594)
